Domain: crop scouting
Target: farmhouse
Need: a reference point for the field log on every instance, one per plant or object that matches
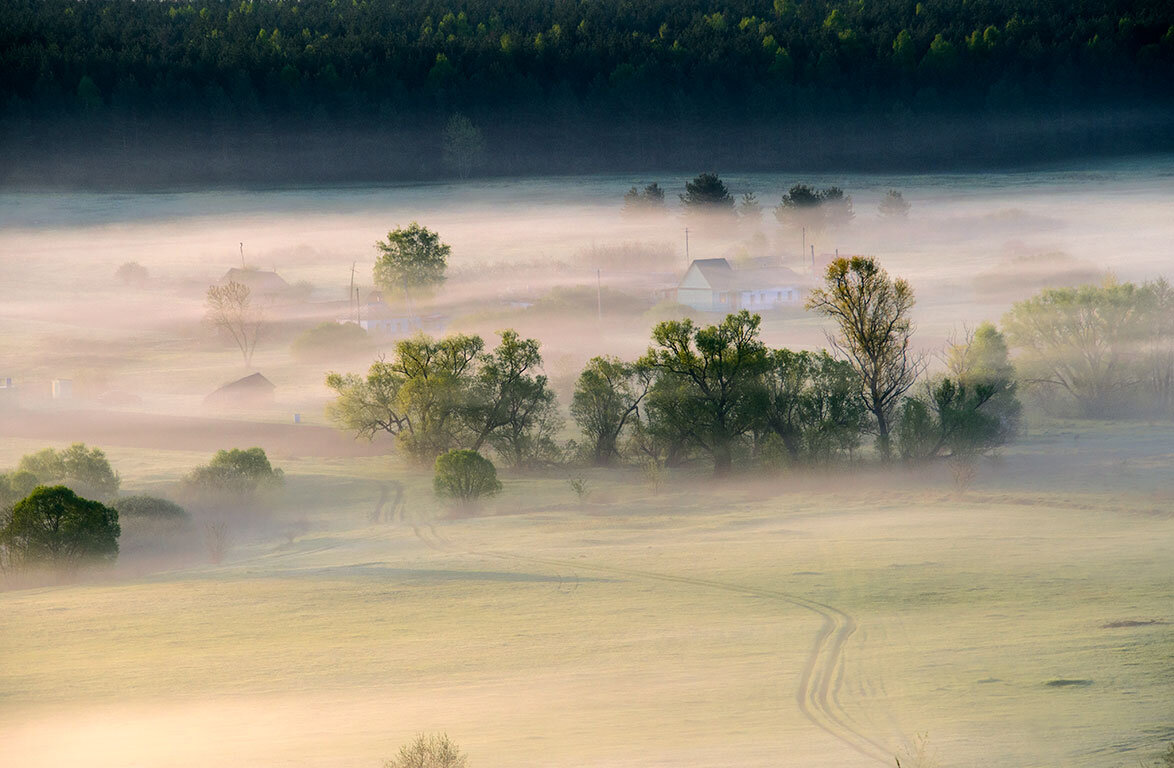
(262, 284)
(377, 318)
(712, 285)
(252, 391)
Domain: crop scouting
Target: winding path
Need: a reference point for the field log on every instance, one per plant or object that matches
(819, 685)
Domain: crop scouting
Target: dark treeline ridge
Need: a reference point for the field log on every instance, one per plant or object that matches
(667, 81)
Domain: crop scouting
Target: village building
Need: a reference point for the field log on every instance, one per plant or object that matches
(262, 284)
(252, 391)
(379, 319)
(712, 285)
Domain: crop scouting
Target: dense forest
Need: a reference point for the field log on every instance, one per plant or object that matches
(585, 80)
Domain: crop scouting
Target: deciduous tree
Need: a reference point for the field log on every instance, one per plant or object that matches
(411, 259)
(55, 526)
(708, 387)
(874, 329)
(231, 311)
(607, 397)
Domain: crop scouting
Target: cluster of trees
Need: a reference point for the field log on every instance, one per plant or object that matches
(394, 62)
(715, 391)
(62, 509)
(1098, 350)
(800, 207)
(434, 396)
(233, 477)
(54, 509)
(86, 471)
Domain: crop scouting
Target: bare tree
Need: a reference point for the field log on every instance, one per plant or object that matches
(231, 310)
(217, 540)
(872, 312)
(429, 751)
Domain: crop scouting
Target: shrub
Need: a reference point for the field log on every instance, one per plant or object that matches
(149, 507)
(465, 477)
(429, 751)
(329, 341)
(85, 470)
(232, 476)
(55, 526)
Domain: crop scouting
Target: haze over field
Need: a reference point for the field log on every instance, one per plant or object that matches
(803, 617)
(554, 385)
(973, 244)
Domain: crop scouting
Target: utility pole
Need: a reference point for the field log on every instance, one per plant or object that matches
(813, 257)
(598, 297)
(803, 250)
(688, 261)
(351, 291)
(242, 255)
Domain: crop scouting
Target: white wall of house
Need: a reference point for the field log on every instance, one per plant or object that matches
(768, 297)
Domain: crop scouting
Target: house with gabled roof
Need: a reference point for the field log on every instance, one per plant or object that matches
(262, 284)
(712, 285)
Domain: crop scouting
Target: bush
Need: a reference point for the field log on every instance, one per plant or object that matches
(330, 341)
(55, 526)
(435, 751)
(149, 507)
(465, 477)
(85, 470)
(231, 477)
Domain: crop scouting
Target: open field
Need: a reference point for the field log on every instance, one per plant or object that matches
(774, 622)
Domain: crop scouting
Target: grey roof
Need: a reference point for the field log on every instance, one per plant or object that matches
(252, 382)
(258, 281)
(722, 277)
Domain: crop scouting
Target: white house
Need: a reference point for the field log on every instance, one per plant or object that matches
(377, 318)
(712, 285)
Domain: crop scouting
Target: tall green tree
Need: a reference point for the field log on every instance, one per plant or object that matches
(708, 386)
(707, 194)
(607, 399)
(417, 397)
(801, 207)
(981, 359)
(56, 527)
(411, 259)
(874, 330)
(893, 206)
(510, 404)
(1080, 343)
(86, 471)
(813, 404)
(650, 200)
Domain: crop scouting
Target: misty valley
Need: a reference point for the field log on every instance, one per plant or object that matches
(666, 469)
(677, 383)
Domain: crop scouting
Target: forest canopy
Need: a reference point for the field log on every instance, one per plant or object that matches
(349, 58)
(691, 69)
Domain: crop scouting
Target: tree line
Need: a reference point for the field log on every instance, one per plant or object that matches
(802, 206)
(62, 508)
(713, 392)
(745, 59)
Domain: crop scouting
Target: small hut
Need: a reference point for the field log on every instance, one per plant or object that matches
(253, 391)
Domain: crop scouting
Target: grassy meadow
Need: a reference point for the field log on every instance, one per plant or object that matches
(791, 620)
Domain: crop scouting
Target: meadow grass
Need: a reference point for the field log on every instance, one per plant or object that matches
(632, 629)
